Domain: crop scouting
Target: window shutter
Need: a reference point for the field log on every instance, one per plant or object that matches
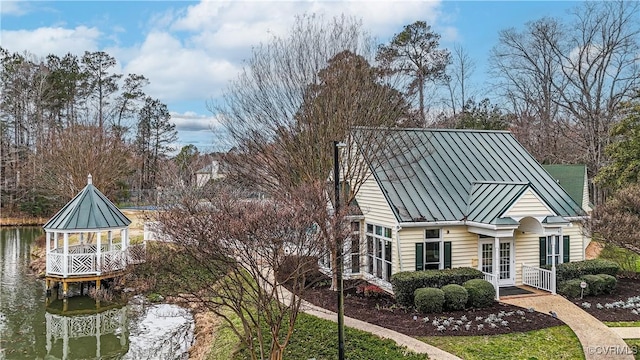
(447, 254)
(543, 251)
(419, 256)
(565, 249)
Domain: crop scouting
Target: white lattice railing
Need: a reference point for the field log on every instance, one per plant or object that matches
(83, 262)
(137, 254)
(539, 278)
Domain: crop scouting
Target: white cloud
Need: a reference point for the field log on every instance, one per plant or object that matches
(177, 72)
(52, 40)
(15, 8)
(190, 121)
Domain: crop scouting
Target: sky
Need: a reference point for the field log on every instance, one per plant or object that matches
(190, 50)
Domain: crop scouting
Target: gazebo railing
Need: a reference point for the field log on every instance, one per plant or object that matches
(81, 261)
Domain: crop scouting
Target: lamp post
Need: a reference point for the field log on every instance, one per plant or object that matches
(339, 262)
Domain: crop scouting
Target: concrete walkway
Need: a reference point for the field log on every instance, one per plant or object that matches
(627, 332)
(599, 342)
(401, 339)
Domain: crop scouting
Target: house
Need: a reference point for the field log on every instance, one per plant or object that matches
(209, 172)
(573, 178)
(438, 199)
(212, 171)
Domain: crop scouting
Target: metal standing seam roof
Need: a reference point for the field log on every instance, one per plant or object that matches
(429, 174)
(571, 178)
(489, 200)
(90, 209)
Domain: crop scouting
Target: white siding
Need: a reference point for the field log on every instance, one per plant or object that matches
(578, 241)
(585, 195)
(527, 249)
(464, 245)
(528, 205)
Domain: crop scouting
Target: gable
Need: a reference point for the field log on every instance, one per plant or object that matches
(529, 204)
(427, 175)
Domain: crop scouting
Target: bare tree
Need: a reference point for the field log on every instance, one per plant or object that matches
(459, 72)
(573, 77)
(77, 151)
(229, 254)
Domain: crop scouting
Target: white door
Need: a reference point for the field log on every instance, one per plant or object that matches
(506, 261)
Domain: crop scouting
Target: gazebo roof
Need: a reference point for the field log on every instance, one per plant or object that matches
(90, 209)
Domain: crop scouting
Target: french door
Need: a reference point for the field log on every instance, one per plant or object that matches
(506, 260)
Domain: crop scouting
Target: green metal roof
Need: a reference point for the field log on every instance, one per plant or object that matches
(489, 200)
(90, 209)
(571, 178)
(429, 174)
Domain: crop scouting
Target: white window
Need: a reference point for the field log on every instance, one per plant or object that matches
(433, 250)
(354, 258)
(379, 251)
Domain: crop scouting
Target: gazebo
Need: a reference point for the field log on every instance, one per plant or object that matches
(87, 240)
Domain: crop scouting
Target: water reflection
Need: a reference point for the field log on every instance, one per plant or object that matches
(85, 330)
(34, 327)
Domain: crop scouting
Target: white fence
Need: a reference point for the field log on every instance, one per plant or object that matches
(539, 278)
(84, 260)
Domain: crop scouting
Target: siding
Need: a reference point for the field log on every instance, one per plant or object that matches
(528, 205)
(585, 195)
(527, 252)
(464, 245)
(578, 241)
(376, 211)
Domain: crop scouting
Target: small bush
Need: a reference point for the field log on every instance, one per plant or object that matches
(429, 300)
(481, 293)
(405, 283)
(595, 284)
(571, 288)
(455, 297)
(610, 282)
(577, 269)
(373, 291)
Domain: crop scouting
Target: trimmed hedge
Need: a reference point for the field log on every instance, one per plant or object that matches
(610, 283)
(481, 293)
(577, 269)
(571, 288)
(429, 300)
(455, 297)
(405, 283)
(595, 284)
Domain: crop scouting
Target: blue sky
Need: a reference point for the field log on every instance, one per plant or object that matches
(189, 50)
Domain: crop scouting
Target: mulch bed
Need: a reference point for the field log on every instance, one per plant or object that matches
(625, 289)
(385, 312)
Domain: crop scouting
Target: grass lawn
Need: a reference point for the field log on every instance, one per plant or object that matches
(634, 344)
(317, 338)
(622, 323)
(553, 343)
(628, 261)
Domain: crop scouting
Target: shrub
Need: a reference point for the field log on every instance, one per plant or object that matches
(455, 297)
(429, 300)
(610, 282)
(571, 288)
(405, 283)
(577, 269)
(373, 291)
(481, 293)
(595, 284)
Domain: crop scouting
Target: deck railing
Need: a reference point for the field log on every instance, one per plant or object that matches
(494, 281)
(84, 259)
(539, 278)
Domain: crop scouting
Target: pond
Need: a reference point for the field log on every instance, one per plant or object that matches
(33, 326)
